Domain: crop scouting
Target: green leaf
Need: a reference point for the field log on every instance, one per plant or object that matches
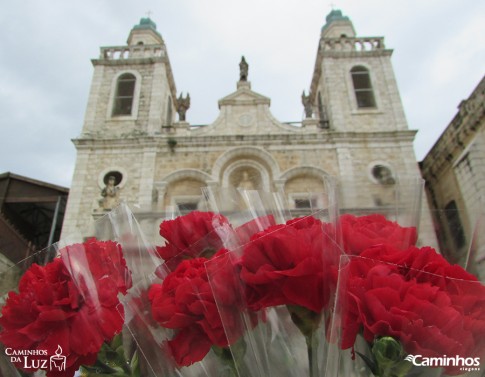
(369, 362)
(135, 365)
(117, 341)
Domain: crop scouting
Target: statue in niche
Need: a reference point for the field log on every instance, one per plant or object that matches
(183, 104)
(307, 104)
(383, 175)
(110, 194)
(245, 183)
(243, 70)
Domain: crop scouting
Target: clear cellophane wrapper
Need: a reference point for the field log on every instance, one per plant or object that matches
(280, 343)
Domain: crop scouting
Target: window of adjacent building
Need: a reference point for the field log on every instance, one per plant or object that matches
(125, 92)
(362, 87)
(454, 224)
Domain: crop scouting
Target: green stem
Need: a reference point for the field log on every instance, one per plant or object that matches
(227, 358)
(112, 362)
(312, 347)
(309, 347)
(307, 322)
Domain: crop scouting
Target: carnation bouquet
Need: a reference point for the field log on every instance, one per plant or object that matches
(250, 287)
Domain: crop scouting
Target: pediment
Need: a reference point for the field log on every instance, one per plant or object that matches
(244, 96)
(245, 112)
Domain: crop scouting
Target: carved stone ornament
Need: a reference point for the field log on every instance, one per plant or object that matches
(307, 104)
(183, 104)
(110, 194)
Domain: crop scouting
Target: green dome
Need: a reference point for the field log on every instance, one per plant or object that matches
(146, 23)
(334, 15)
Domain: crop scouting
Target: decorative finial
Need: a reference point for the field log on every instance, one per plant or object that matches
(332, 6)
(243, 70)
(149, 13)
(183, 105)
(306, 100)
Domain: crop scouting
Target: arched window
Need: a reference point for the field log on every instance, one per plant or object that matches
(362, 87)
(125, 91)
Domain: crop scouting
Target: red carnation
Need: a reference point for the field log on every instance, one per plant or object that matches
(362, 232)
(289, 265)
(191, 236)
(185, 302)
(67, 306)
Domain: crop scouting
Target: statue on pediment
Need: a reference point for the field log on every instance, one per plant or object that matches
(243, 70)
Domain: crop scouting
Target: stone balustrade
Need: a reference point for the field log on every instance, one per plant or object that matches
(130, 52)
(352, 44)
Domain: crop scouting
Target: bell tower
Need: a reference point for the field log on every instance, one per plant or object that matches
(131, 107)
(353, 88)
(133, 90)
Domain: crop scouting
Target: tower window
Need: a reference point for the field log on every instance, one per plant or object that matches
(362, 87)
(125, 90)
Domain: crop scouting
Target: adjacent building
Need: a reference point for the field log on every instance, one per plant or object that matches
(454, 170)
(31, 216)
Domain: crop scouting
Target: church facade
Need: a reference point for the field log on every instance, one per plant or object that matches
(137, 146)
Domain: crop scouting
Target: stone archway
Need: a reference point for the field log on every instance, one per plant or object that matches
(260, 167)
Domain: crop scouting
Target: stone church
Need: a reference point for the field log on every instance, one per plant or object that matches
(136, 145)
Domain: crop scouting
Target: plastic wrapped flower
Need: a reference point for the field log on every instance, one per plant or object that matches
(185, 302)
(293, 265)
(285, 265)
(69, 305)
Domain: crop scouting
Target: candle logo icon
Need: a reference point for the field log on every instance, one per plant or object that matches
(58, 361)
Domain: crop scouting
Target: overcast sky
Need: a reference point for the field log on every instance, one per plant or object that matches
(46, 48)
